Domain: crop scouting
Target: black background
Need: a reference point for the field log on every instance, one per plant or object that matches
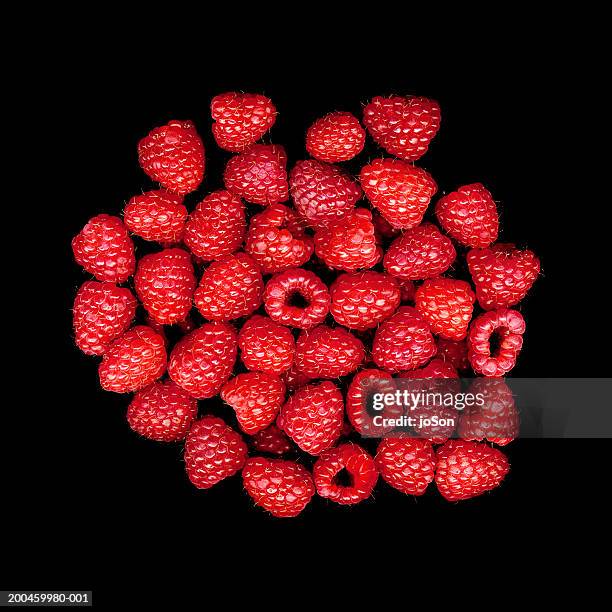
(92, 505)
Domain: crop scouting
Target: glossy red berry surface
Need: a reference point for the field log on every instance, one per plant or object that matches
(230, 288)
(297, 298)
(336, 137)
(241, 119)
(101, 313)
(162, 411)
(104, 248)
(399, 190)
(272, 441)
(213, 452)
(283, 488)
(173, 155)
(352, 461)
(403, 126)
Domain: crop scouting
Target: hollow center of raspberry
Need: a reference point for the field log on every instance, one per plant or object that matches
(495, 341)
(297, 300)
(343, 478)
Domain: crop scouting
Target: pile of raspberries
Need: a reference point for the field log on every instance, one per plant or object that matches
(321, 282)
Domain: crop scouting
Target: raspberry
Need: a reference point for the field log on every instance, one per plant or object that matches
(266, 346)
(256, 397)
(216, 227)
(241, 119)
(258, 175)
(454, 353)
(271, 440)
(156, 215)
(467, 469)
(403, 342)
(349, 244)
(162, 411)
(362, 300)
(230, 288)
(133, 361)
(104, 248)
(407, 289)
(508, 326)
(165, 283)
(447, 305)
(202, 361)
(294, 379)
(502, 274)
(283, 488)
(399, 190)
(497, 420)
(436, 368)
(469, 215)
(313, 417)
(358, 397)
(173, 155)
(276, 240)
(287, 287)
(322, 193)
(347, 459)
(213, 452)
(382, 228)
(419, 253)
(324, 352)
(403, 126)
(101, 313)
(407, 464)
(335, 137)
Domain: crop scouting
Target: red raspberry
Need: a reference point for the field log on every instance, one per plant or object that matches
(216, 227)
(283, 488)
(322, 193)
(469, 215)
(276, 240)
(362, 300)
(230, 288)
(349, 244)
(294, 379)
(101, 313)
(258, 175)
(420, 253)
(165, 283)
(454, 353)
(433, 421)
(256, 397)
(213, 452)
(502, 274)
(403, 126)
(335, 137)
(400, 191)
(133, 361)
(266, 346)
(173, 155)
(508, 326)
(403, 342)
(287, 287)
(156, 215)
(407, 289)
(313, 417)
(358, 397)
(496, 420)
(447, 305)
(271, 440)
(104, 248)
(162, 411)
(241, 119)
(348, 460)
(383, 229)
(467, 469)
(324, 352)
(202, 361)
(407, 464)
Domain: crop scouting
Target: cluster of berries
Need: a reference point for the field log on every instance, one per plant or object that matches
(298, 336)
